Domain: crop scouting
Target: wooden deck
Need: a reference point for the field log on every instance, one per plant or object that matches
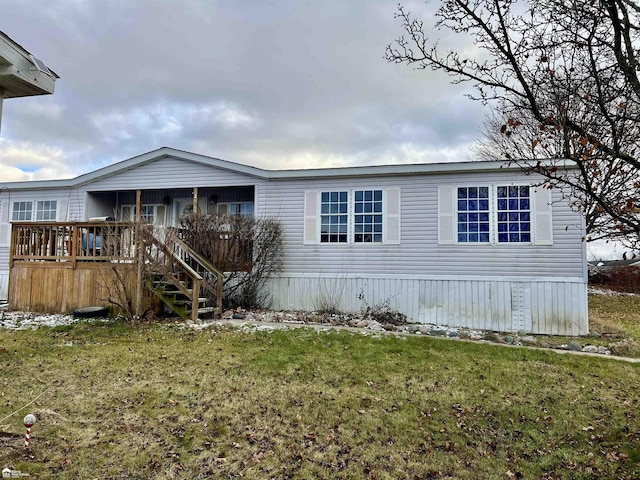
(57, 267)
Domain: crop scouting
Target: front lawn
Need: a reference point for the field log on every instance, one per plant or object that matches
(164, 402)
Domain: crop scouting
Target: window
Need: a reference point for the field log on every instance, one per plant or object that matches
(495, 214)
(22, 212)
(153, 214)
(514, 214)
(46, 210)
(241, 208)
(512, 205)
(473, 214)
(352, 217)
(368, 216)
(334, 217)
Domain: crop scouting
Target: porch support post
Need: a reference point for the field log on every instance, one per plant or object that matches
(1, 101)
(138, 205)
(195, 200)
(139, 254)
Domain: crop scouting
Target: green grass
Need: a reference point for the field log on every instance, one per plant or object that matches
(161, 402)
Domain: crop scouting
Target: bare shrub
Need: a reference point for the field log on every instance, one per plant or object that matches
(381, 312)
(249, 251)
(622, 278)
(328, 296)
(120, 282)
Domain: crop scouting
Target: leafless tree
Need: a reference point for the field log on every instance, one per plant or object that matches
(562, 78)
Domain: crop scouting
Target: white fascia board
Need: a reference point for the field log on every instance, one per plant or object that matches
(411, 169)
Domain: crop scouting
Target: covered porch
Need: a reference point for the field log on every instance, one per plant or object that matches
(165, 207)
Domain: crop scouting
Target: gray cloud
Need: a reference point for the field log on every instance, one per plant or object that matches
(271, 83)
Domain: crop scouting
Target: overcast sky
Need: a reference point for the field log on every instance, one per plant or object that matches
(269, 83)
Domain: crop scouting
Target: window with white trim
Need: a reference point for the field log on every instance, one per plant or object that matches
(46, 210)
(150, 213)
(511, 222)
(352, 216)
(494, 214)
(334, 217)
(22, 212)
(514, 214)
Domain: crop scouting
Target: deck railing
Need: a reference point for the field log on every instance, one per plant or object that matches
(71, 242)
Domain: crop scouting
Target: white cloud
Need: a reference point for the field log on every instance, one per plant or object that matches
(21, 161)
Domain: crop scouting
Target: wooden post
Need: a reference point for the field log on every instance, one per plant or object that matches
(139, 253)
(195, 200)
(195, 301)
(75, 244)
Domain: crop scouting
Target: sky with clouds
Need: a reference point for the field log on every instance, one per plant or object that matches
(269, 83)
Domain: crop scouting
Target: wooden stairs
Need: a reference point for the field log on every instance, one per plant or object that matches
(186, 282)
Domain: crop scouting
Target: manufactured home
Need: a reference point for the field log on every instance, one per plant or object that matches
(475, 244)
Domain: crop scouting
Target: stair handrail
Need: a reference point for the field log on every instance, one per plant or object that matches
(197, 279)
(207, 266)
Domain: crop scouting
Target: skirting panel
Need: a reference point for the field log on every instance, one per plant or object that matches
(544, 307)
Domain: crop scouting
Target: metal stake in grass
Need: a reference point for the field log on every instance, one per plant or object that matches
(29, 420)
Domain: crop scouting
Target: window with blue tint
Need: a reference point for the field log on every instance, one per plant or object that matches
(334, 216)
(367, 220)
(514, 214)
(473, 214)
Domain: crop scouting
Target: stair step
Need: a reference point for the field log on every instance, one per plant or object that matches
(188, 302)
(205, 310)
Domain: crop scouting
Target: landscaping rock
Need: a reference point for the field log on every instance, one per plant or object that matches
(362, 324)
(438, 332)
(238, 316)
(528, 340)
(452, 334)
(590, 349)
(373, 325)
(574, 346)
(425, 329)
(509, 340)
(389, 327)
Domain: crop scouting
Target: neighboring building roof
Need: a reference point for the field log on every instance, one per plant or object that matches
(22, 74)
(341, 172)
